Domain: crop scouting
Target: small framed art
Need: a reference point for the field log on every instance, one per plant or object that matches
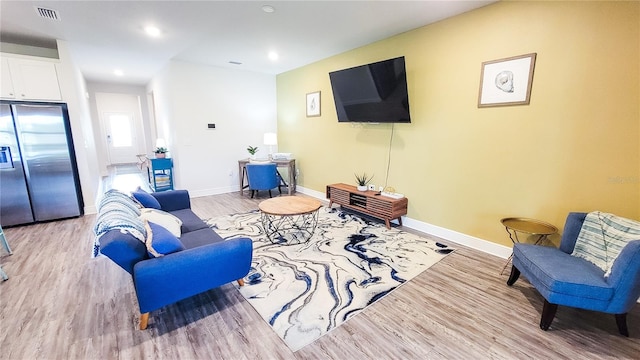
(313, 104)
(506, 81)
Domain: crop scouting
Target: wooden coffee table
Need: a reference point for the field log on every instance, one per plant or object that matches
(289, 220)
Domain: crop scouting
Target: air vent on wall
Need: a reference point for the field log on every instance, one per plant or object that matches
(48, 13)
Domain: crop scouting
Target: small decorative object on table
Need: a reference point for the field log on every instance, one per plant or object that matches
(161, 152)
(362, 181)
(252, 151)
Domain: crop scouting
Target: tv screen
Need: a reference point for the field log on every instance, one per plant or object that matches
(374, 92)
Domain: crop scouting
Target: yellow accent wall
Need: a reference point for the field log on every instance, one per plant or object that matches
(575, 147)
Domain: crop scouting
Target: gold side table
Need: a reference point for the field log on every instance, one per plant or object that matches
(530, 227)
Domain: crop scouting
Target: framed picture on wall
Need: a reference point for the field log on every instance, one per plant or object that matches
(313, 104)
(506, 81)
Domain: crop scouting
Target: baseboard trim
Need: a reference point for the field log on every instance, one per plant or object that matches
(213, 191)
(92, 209)
(459, 238)
(446, 234)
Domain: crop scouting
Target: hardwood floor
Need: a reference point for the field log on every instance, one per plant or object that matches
(59, 303)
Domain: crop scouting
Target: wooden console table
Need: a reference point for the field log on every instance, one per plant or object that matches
(368, 202)
(289, 164)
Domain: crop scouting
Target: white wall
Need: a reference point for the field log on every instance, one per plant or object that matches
(241, 104)
(73, 88)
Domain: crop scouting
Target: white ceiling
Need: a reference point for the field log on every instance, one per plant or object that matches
(105, 35)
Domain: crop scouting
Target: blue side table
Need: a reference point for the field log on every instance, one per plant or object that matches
(161, 174)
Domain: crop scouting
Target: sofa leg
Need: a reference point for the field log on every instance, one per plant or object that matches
(240, 282)
(144, 320)
(621, 321)
(548, 313)
(515, 274)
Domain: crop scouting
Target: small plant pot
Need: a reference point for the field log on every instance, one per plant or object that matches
(362, 187)
(161, 155)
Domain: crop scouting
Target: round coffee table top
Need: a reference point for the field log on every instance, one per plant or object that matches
(529, 226)
(289, 205)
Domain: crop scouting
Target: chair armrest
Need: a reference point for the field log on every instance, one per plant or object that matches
(165, 280)
(625, 278)
(571, 231)
(173, 200)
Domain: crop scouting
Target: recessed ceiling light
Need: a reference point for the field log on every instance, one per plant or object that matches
(152, 31)
(118, 72)
(268, 9)
(273, 55)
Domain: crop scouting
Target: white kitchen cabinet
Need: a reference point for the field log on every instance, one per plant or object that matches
(6, 83)
(26, 79)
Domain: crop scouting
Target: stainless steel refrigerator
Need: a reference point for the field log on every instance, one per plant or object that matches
(38, 172)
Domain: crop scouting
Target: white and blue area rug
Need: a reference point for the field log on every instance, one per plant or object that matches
(304, 291)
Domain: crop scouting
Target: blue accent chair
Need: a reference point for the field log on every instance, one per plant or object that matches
(571, 281)
(263, 177)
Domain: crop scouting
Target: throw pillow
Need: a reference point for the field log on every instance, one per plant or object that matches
(160, 241)
(602, 238)
(162, 218)
(145, 199)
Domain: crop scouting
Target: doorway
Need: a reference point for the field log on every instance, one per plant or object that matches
(121, 123)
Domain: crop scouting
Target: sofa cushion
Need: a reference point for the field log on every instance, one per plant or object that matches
(200, 237)
(190, 221)
(602, 237)
(161, 241)
(145, 199)
(162, 218)
(560, 273)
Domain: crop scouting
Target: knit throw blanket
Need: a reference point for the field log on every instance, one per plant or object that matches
(602, 238)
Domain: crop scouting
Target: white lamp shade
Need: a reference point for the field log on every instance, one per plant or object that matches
(160, 143)
(271, 139)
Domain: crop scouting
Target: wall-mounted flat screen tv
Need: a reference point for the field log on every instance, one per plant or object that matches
(374, 92)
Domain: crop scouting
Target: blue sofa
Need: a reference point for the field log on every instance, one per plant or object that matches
(563, 279)
(203, 261)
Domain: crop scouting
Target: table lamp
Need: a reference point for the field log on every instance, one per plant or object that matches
(270, 139)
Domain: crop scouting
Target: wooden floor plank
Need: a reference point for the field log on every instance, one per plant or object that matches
(61, 303)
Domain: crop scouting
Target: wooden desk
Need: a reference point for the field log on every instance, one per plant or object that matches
(289, 164)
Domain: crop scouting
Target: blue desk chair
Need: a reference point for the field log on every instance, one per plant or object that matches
(263, 177)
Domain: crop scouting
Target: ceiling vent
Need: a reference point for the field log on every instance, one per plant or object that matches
(48, 13)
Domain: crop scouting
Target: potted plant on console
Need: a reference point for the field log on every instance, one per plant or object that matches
(161, 152)
(252, 152)
(362, 181)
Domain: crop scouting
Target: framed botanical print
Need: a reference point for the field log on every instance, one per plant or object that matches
(313, 104)
(506, 81)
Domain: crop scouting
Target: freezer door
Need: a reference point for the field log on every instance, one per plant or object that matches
(15, 207)
(45, 153)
